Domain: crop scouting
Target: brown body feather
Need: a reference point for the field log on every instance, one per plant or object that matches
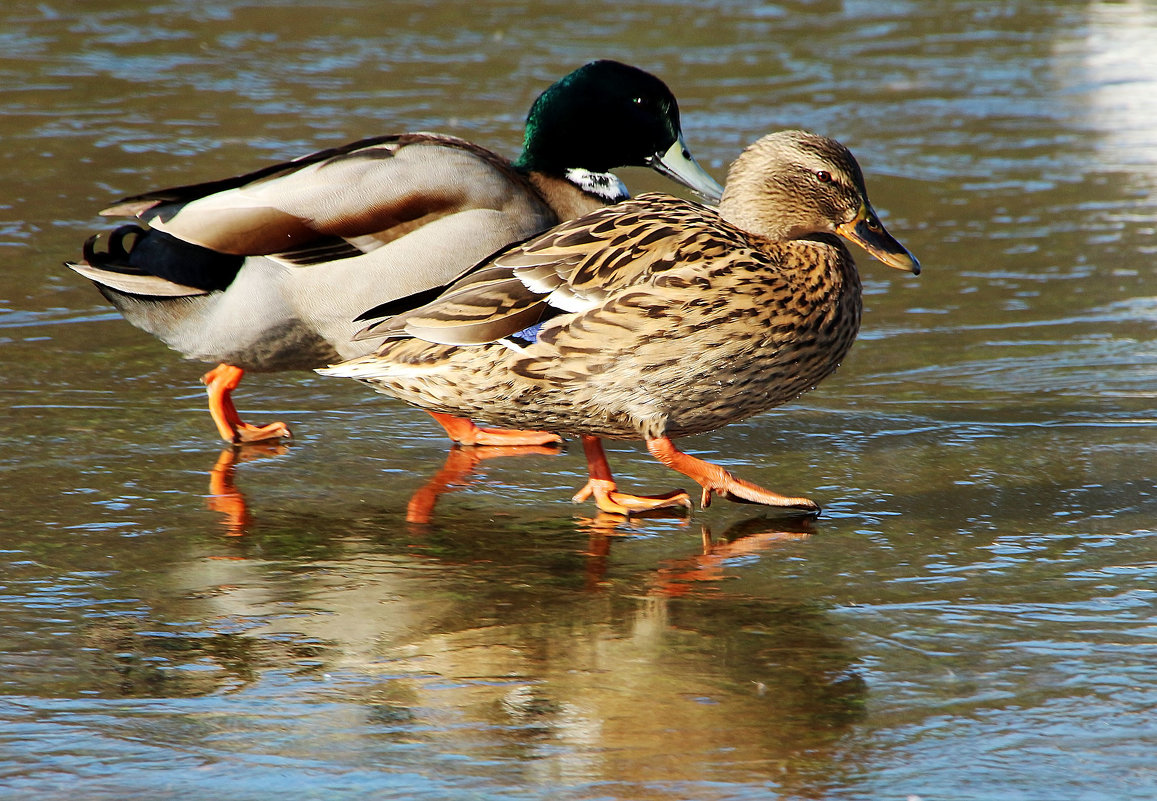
(703, 325)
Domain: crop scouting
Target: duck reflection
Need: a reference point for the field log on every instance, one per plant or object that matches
(491, 641)
(686, 575)
(743, 540)
(224, 497)
(461, 462)
(456, 473)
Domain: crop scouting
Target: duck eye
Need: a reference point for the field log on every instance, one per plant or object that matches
(638, 101)
(824, 177)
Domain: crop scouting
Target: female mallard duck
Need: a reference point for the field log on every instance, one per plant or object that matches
(654, 318)
(268, 271)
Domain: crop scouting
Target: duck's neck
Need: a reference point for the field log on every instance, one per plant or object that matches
(603, 187)
(558, 154)
(753, 218)
(570, 191)
(564, 197)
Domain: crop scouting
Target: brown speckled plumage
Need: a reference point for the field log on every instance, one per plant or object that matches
(676, 319)
(685, 348)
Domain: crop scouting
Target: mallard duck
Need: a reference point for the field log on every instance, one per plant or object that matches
(267, 271)
(655, 318)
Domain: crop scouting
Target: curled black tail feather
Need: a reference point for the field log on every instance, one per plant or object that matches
(116, 258)
(152, 252)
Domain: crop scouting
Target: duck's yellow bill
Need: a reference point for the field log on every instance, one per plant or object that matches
(868, 232)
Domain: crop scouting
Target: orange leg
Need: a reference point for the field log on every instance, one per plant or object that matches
(464, 432)
(601, 485)
(714, 478)
(219, 384)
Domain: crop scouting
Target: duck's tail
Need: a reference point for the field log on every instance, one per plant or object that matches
(149, 263)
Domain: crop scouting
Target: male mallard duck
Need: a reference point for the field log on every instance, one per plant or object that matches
(268, 271)
(654, 318)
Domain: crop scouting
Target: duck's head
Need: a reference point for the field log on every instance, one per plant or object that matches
(606, 115)
(793, 184)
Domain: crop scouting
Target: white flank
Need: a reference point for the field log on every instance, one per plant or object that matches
(369, 367)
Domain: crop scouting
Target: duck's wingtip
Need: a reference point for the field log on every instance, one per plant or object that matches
(129, 207)
(355, 368)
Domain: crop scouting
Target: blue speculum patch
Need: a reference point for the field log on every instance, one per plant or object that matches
(528, 335)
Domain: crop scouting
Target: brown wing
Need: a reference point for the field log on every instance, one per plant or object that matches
(572, 268)
(608, 249)
(728, 296)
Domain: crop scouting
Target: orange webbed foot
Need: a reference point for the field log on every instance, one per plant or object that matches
(516, 437)
(219, 385)
(714, 479)
(465, 432)
(609, 499)
(737, 490)
(244, 433)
